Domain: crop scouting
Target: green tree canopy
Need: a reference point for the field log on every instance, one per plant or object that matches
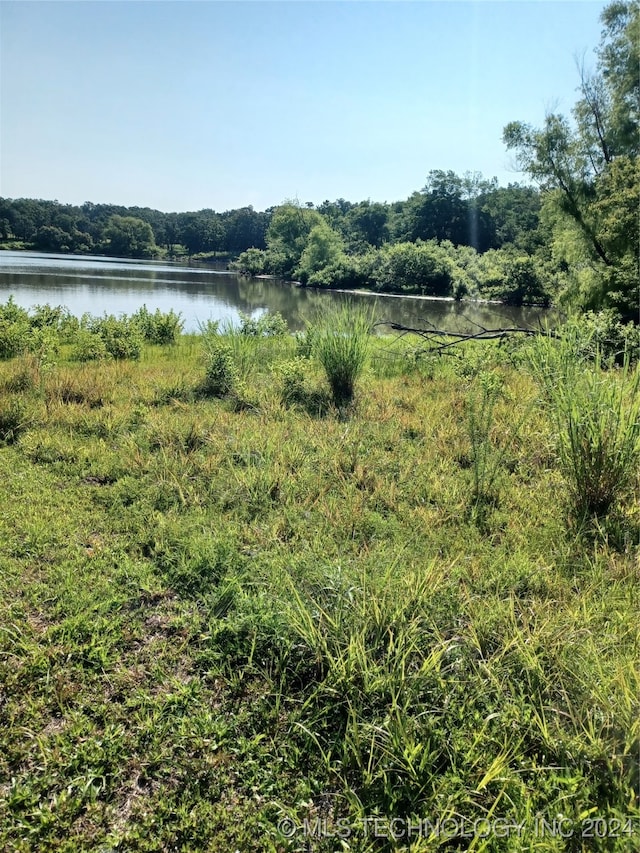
(288, 234)
(129, 237)
(588, 167)
(324, 247)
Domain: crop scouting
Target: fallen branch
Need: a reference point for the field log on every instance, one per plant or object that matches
(441, 339)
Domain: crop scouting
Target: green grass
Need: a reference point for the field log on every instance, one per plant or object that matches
(597, 421)
(215, 618)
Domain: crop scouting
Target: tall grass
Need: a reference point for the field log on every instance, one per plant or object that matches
(596, 415)
(480, 416)
(341, 343)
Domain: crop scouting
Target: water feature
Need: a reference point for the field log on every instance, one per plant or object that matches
(96, 285)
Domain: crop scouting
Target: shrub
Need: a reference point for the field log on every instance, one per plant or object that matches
(603, 333)
(267, 325)
(160, 327)
(12, 313)
(122, 336)
(56, 318)
(419, 267)
(344, 271)
(88, 346)
(292, 379)
(251, 262)
(14, 338)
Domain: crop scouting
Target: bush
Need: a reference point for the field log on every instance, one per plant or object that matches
(88, 346)
(293, 390)
(345, 272)
(57, 319)
(251, 262)
(13, 314)
(14, 329)
(423, 268)
(603, 333)
(267, 325)
(160, 327)
(14, 338)
(122, 336)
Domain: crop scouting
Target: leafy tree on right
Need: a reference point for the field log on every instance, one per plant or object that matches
(589, 171)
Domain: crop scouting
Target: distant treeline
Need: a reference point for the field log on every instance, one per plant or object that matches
(137, 232)
(466, 211)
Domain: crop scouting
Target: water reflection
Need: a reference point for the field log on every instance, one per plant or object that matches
(95, 285)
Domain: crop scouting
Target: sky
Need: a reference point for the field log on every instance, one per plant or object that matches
(195, 104)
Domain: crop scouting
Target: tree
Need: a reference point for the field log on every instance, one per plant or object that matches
(587, 168)
(288, 234)
(515, 216)
(324, 247)
(49, 238)
(243, 229)
(129, 237)
(367, 224)
(424, 268)
(447, 208)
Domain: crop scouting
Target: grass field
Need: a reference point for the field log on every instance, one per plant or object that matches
(258, 622)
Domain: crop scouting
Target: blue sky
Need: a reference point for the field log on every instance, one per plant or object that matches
(185, 105)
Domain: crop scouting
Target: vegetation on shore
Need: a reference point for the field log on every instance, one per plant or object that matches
(256, 615)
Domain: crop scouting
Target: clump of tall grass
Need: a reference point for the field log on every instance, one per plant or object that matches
(485, 458)
(14, 419)
(596, 415)
(341, 343)
(221, 374)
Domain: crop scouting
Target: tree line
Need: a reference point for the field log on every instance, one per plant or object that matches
(467, 211)
(129, 231)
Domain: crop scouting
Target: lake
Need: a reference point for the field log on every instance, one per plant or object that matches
(84, 283)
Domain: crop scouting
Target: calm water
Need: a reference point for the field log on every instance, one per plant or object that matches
(97, 285)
